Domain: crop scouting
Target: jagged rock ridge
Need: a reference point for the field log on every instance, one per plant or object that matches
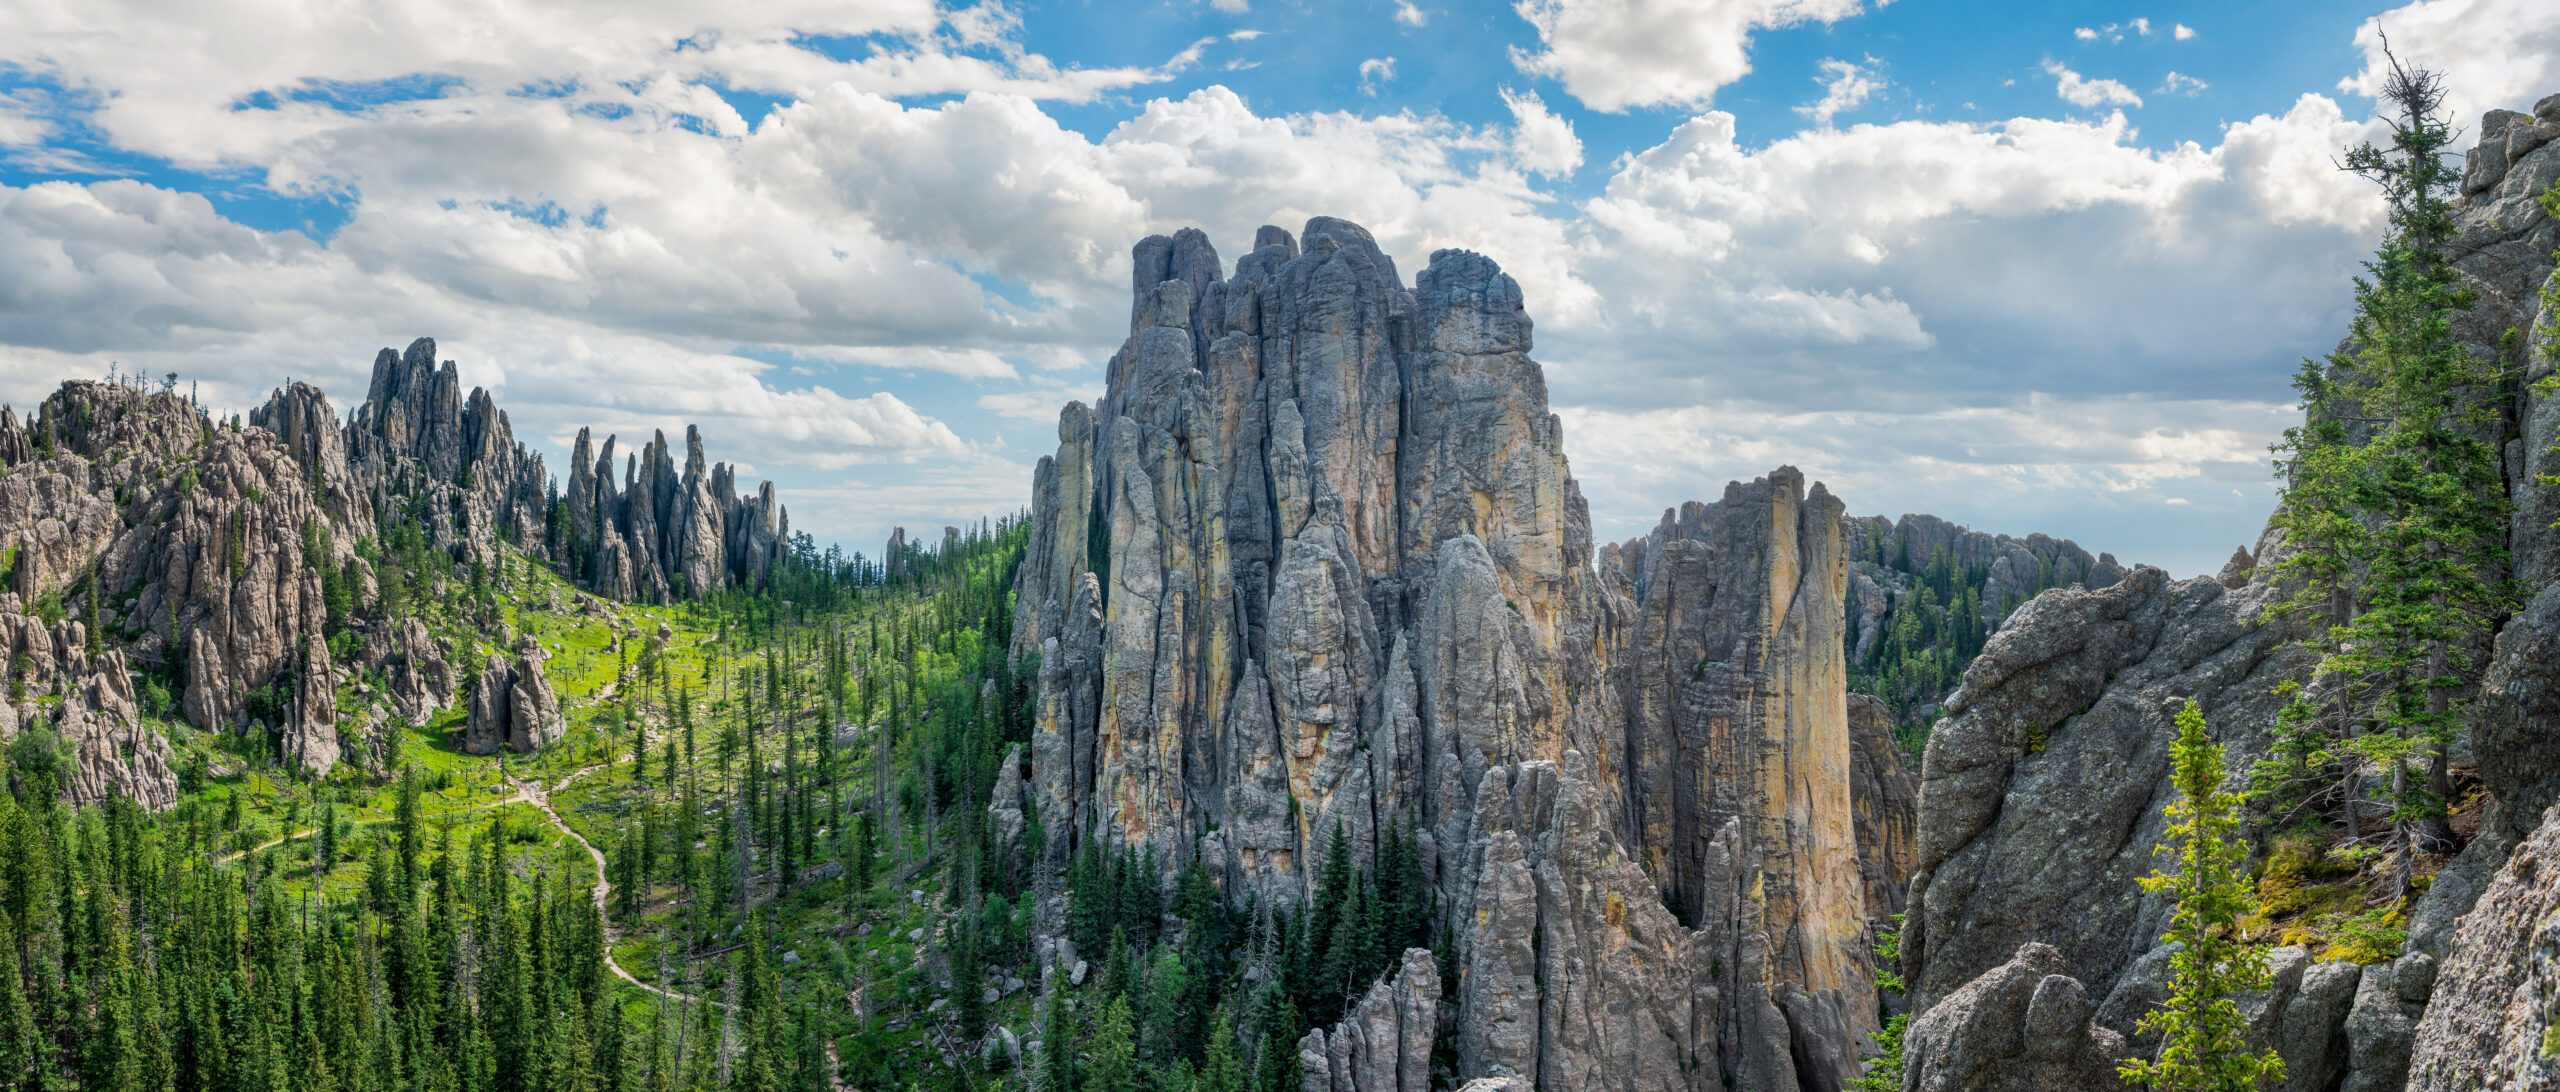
(1316, 560)
(197, 553)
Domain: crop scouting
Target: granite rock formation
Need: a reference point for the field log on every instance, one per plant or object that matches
(2496, 998)
(1925, 593)
(1316, 560)
(204, 551)
(113, 752)
(1737, 713)
(421, 451)
(1884, 799)
(512, 706)
(663, 535)
(2022, 1026)
(2042, 790)
(188, 546)
(1384, 1043)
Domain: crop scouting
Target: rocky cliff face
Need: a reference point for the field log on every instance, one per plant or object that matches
(188, 545)
(203, 551)
(1737, 713)
(2042, 790)
(113, 753)
(662, 535)
(512, 705)
(422, 452)
(1316, 560)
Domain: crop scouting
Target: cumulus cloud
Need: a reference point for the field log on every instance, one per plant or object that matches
(622, 247)
(2117, 458)
(1614, 55)
(2184, 32)
(2495, 54)
(1411, 14)
(1541, 142)
(2084, 92)
(1969, 274)
(171, 285)
(2176, 84)
(1845, 85)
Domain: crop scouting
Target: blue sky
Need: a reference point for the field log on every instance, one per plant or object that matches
(2027, 266)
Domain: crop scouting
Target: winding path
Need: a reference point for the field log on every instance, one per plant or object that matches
(540, 797)
(299, 835)
(536, 794)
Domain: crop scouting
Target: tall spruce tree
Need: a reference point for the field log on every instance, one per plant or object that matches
(2395, 510)
(2203, 1035)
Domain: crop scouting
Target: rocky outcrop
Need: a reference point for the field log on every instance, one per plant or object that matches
(1924, 594)
(1737, 715)
(417, 679)
(198, 549)
(2496, 999)
(1884, 801)
(2041, 794)
(2042, 790)
(422, 450)
(1316, 561)
(2022, 1026)
(1573, 973)
(310, 728)
(113, 752)
(424, 453)
(662, 534)
(512, 705)
(1384, 1043)
(1006, 818)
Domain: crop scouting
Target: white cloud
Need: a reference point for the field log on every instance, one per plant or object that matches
(2114, 457)
(1921, 262)
(1376, 72)
(2138, 26)
(1617, 54)
(212, 59)
(2083, 92)
(2176, 84)
(1411, 14)
(1950, 284)
(23, 118)
(173, 286)
(2184, 32)
(1541, 142)
(1845, 85)
(2495, 54)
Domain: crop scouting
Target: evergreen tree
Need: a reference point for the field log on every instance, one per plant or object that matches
(968, 982)
(1058, 1045)
(2399, 540)
(2204, 1038)
(866, 848)
(1222, 1071)
(1884, 1071)
(1115, 1062)
(1276, 1044)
